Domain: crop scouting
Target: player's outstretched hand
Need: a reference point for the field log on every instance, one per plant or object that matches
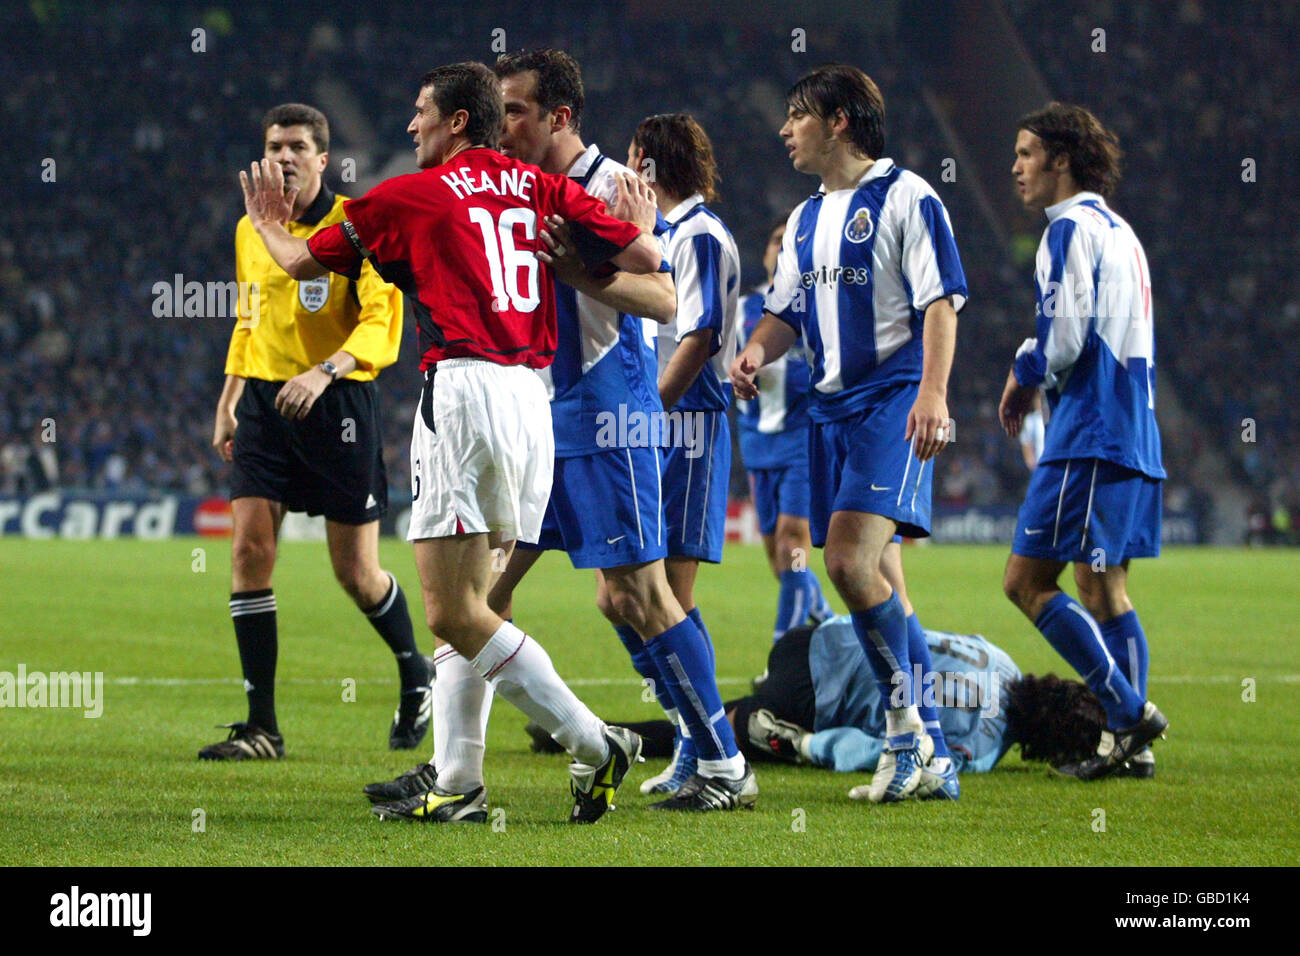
(265, 200)
(635, 202)
(299, 394)
(1017, 402)
(928, 423)
(561, 252)
(743, 372)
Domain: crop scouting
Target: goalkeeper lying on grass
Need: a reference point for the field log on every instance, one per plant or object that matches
(820, 705)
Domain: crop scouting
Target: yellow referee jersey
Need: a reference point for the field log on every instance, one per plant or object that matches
(299, 324)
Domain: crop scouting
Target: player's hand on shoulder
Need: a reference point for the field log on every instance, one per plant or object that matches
(928, 424)
(635, 202)
(265, 200)
(299, 394)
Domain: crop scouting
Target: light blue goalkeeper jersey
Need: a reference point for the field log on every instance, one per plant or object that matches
(971, 676)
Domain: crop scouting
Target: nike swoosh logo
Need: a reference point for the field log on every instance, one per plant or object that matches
(1033, 531)
(801, 238)
(433, 801)
(875, 487)
(612, 540)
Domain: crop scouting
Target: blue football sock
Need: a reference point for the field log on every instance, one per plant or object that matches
(682, 657)
(1075, 635)
(882, 632)
(930, 688)
(819, 606)
(792, 605)
(1127, 643)
(644, 664)
(698, 619)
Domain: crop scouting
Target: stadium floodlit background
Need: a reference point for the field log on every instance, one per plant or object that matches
(147, 121)
(124, 126)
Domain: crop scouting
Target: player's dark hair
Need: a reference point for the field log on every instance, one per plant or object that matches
(838, 86)
(1072, 131)
(474, 88)
(559, 79)
(682, 154)
(778, 224)
(299, 114)
(1054, 720)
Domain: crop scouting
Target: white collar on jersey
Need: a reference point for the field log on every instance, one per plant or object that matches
(582, 165)
(879, 168)
(1055, 212)
(678, 212)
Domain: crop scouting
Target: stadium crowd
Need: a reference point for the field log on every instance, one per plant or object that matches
(151, 194)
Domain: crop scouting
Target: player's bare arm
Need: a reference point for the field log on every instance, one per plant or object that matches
(772, 338)
(296, 398)
(691, 355)
(1017, 402)
(223, 432)
(269, 208)
(651, 296)
(928, 419)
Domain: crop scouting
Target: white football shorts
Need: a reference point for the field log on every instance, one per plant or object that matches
(482, 452)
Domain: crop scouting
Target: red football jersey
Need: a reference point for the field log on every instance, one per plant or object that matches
(459, 239)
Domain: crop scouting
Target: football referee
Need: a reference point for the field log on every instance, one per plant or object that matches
(299, 419)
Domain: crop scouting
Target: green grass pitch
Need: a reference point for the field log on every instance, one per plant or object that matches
(123, 789)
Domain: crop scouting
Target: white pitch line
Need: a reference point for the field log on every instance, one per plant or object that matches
(634, 682)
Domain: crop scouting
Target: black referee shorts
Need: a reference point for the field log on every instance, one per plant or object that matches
(330, 463)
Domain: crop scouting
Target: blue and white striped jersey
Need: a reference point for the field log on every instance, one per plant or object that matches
(857, 269)
(1095, 348)
(774, 426)
(603, 358)
(706, 270)
(969, 688)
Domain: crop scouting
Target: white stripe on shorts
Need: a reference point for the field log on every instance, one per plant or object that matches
(636, 502)
(1087, 518)
(902, 485)
(708, 477)
(1060, 501)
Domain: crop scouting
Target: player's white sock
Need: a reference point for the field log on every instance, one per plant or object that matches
(903, 720)
(462, 701)
(521, 671)
(728, 768)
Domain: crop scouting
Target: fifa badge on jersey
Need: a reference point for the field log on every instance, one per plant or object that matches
(314, 293)
(859, 228)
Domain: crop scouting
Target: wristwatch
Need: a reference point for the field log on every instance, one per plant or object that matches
(330, 369)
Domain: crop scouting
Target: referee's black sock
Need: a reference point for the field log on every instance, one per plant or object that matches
(253, 613)
(393, 622)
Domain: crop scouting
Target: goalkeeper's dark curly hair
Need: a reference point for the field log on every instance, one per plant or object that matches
(1054, 720)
